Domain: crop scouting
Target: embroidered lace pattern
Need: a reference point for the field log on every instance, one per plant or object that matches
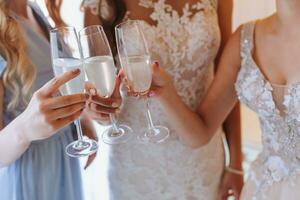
(280, 158)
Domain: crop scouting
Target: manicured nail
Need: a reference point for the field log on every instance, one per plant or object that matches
(151, 94)
(156, 63)
(76, 71)
(114, 104)
(93, 92)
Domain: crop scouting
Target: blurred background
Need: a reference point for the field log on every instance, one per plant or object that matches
(244, 10)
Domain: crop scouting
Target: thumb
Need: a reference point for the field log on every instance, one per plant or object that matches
(90, 89)
(160, 77)
(119, 79)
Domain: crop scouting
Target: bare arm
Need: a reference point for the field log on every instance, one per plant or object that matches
(232, 125)
(90, 19)
(42, 118)
(11, 135)
(198, 128)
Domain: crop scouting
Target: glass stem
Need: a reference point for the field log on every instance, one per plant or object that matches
(148, 114)
(114, 124)
(79, 129)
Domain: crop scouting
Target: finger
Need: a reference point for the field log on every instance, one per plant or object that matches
(236, 193)
(66, 111)
(155, 91)
(91, 158)
(118, 83)
(122, 74)
(107, 102)
(101, 118)
(223, 194)
(63, 101)
(60, 123)
(53, 85)
(101, 109)
(132, 94)
(91, 89)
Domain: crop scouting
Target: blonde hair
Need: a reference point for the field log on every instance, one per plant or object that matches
(20, 73)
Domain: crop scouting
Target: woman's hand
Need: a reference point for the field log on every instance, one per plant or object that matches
(99, 108)
(231, 185)
(46, 114)
(162, 83)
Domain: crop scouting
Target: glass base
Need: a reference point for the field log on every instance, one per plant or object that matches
(157, 134)
(111, 137)
(82, 148)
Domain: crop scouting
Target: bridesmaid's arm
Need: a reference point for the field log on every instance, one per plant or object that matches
(232, 125)
(12, 141)
(42, 118)
(90, 18)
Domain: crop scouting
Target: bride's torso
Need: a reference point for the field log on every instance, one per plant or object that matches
(278, 107)
(186, 42)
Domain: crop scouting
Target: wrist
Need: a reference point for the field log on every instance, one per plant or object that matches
(22, 135)
(236, 162)
(234, 171)
(236, 165)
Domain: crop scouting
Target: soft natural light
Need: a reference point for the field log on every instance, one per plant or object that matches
(95, 176)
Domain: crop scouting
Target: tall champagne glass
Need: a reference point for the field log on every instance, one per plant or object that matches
(66, 56)
(101, 71)
(136, 61)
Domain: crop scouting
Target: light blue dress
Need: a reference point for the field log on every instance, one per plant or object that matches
(44, 171)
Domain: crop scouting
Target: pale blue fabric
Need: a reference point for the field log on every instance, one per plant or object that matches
(44, 171)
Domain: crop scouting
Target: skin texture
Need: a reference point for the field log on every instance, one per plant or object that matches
(49, 113)
(231, 125)
(276, 47)
(44, 113)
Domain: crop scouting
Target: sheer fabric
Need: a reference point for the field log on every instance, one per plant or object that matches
(275, 173)
(186, 46)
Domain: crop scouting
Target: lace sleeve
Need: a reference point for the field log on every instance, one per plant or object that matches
(93, 5)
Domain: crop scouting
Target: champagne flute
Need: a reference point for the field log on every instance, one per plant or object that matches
(136, 62)
(66, 56)
(101, 72)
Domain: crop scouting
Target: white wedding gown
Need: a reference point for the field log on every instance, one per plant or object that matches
(186, 46)
(275, 175)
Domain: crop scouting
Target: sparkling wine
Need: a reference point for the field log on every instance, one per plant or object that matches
(75, 85)
(101, 72)
(138, 72)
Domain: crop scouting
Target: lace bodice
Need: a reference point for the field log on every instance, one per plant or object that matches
(278, 108)
(186, 46)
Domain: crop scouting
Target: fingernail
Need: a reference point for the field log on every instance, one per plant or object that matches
(114, 104)
(76, 71)
(151, 94)
(156, 63)
(93, 91)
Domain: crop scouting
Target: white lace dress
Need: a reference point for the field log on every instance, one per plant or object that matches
(186, 47)
(275, 175)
